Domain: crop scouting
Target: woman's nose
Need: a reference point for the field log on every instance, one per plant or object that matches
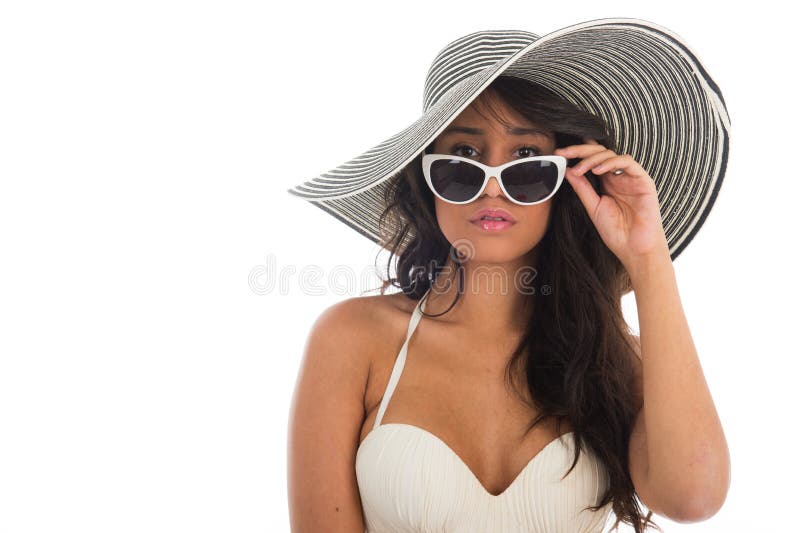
(493, 187)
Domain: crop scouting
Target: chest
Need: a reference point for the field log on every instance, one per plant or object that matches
(409, 480)
(457, 398)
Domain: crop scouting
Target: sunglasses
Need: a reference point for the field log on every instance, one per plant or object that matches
(526, 181)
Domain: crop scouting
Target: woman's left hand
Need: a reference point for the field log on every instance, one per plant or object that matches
(627, 215)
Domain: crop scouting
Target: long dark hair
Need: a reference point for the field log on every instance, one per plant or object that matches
(577, 359)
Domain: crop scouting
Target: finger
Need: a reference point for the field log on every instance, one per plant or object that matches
(579, 150)
(586, 193)
(589, 140)
(619, 165)
(593, 161)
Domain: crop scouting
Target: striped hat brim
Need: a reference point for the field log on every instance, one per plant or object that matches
(644, 80)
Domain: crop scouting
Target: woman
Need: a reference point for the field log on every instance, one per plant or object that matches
(501, 389)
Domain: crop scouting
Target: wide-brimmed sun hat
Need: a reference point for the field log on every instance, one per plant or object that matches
(643, 79)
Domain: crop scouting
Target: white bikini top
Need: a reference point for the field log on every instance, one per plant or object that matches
(412, 481)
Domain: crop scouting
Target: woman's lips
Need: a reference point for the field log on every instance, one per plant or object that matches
(492, 212)
(493, 225)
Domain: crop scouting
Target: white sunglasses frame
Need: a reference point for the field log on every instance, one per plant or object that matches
(560, 162)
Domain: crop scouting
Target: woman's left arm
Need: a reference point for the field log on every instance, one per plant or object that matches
(679, 459)
(679, 432)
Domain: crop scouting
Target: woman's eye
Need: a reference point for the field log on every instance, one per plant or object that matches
(457, 150)
(535, 151)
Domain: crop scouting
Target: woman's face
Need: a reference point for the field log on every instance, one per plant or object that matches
(491, 144)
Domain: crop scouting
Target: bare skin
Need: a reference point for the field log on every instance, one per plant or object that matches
(453, 386)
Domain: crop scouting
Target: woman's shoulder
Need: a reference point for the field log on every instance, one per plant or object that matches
(369, 315)
(355, 337)
(367, 324)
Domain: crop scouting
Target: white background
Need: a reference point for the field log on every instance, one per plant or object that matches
(147, 367)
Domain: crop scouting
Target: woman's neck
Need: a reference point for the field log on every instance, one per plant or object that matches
(496, 297)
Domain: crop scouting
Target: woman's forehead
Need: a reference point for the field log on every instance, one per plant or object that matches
(492, 111)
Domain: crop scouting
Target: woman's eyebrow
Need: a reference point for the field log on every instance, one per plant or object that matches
(478, 131)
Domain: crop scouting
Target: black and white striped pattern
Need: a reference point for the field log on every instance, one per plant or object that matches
(642, 78)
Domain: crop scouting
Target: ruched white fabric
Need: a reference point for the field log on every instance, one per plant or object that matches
(412, 481)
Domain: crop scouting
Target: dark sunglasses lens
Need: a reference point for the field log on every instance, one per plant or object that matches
(458, 181)
(530, 182)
